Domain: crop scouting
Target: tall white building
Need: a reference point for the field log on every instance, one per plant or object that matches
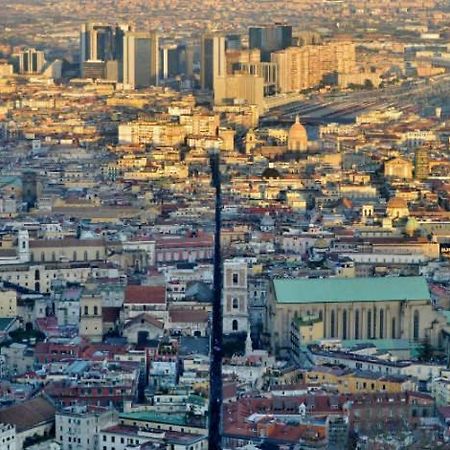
(78, 427)
(235, 297)
(7, 436)
(140, 59)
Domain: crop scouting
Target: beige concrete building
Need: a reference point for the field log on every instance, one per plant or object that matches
(8, 303)
(301, 68)
(91, 321)
(240, 88)
(39, 277)
(68, 250)
(398, 168)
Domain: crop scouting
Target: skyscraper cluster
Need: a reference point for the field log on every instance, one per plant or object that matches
(120, 54)
(270, 65)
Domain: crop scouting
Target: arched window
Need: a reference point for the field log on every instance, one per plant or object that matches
(416, 325)
(333, 324)
(393, 333)
(374, 332)
(381, 323)
(36, 274)
(344, 324)
(357, 324)
(235, 325)
(369, 324)
(235, 303)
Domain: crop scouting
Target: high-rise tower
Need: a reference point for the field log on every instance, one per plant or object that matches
(213, 60)
(31, 61)
(421, 163)
(270, 38)
(96, 42)
(140, 59)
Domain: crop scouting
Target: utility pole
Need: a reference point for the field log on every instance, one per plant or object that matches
(215, 380)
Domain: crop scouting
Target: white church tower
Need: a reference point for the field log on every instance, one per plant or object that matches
(235, 297)
(23, 246)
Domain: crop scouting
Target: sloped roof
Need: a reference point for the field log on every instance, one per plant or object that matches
(145, 294)
(188, 316)
(337, 290)
(145, 318)
(29, 414)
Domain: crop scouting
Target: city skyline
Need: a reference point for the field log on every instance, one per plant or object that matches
(224, 225)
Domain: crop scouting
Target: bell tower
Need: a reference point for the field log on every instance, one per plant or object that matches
(235, 297)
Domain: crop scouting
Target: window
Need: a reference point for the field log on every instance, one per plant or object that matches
(374, 333)
(381, 323)
(95, 310)
(85, 255)
(75, 256)
(393, 333)
(235, 303)
(416, 324)
(235, 278)
(53, 256)
(86, 311)
(333, 325)
(235, 325)
(369, 324)
(357, 324)
(344, 324)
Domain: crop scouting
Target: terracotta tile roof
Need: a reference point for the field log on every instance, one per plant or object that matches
(188, 316)
(145, 318)
(145, 294)
(110, 313)
(57, 243)
(29, 414)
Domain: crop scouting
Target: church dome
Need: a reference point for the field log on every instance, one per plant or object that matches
(297, 137)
